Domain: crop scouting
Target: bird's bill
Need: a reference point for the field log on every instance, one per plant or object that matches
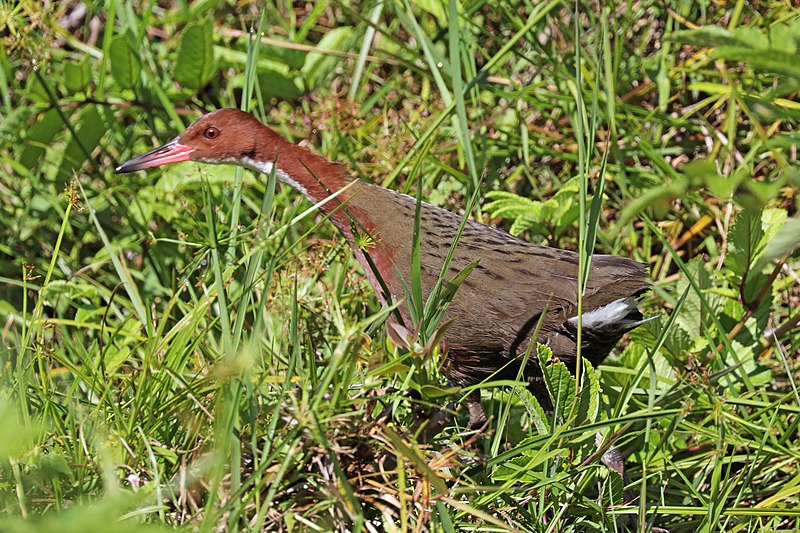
(172, 152)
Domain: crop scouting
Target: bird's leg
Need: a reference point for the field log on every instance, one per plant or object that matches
(477, 414)
(427, 428)
(613, 461)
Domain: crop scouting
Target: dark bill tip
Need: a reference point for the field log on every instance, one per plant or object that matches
(172, 152)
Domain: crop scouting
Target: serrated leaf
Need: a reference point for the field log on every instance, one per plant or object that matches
(744, 345)
(195, 64)
(751, 233)
(590, 394)
(14, 124)
(527, 213)
(319, 65)
(510, 205)
(748, 239)
(678, 343)
(125, 65)
(534, 409)
(561, 386)
(613, 489)
(690, 320)
(525, 467)
(743, 240)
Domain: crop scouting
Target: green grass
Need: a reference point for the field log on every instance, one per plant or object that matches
(196, 348)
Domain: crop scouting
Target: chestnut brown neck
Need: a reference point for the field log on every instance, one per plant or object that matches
(324, 183)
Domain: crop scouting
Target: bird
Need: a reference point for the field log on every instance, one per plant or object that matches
(514, 291)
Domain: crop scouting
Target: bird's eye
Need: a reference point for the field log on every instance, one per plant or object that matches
(211, 133)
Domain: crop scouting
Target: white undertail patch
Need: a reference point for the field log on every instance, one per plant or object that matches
(613, 314)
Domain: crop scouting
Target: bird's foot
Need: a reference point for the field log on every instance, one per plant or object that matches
(427, 428)
(477, 414)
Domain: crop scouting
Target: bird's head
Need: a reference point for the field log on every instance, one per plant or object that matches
(223, 136)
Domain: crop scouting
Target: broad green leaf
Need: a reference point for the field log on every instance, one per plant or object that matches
(783, 37)
(77, 76)
(286, 56)
(202, 8)
(276, 79)
(17, 438)
(705, 170)
(507, 205)
(104, 514)
(659, 198)
(90, 128)
(14, 124)
(319, 65)
(781, 241)
(751, 36)
(124, 62)
(280, 84)
(195, 64)
(762, 191)
(744, 241)
(765, 60)
(435, 8)
(707, 36)
(49, 466)
(613, 489)
(752, 231)
(432, 392)
(36, 91)
(40, 135)
(746, 345)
